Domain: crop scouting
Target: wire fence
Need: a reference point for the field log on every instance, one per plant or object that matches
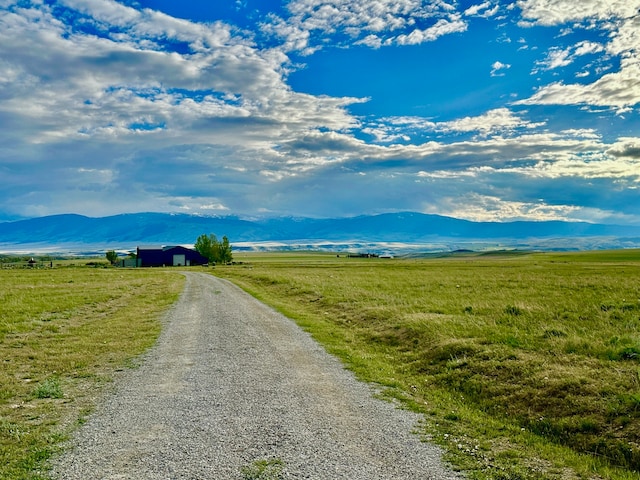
(28, 264)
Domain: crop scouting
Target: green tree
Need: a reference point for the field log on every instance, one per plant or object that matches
(225, 251)
(215, 251)
(204, 246)
(112, 256)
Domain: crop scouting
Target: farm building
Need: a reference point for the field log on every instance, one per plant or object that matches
(175, 256)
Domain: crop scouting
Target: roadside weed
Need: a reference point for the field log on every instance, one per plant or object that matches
(270, 469)
(50, 388)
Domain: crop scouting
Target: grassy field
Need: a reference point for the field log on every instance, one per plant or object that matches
(64, 332)
(525, 366)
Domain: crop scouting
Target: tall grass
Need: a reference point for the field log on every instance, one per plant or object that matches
(527, 366)
(63, 334)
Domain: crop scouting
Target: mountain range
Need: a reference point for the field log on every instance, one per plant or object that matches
(391, 231)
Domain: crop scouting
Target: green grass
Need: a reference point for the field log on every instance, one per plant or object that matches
(64, 332)
(263, 470)
(50, 388)
(525, 366)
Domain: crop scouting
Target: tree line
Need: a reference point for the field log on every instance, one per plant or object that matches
(216, 251)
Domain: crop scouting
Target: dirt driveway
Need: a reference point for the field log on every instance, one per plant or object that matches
(233, 387)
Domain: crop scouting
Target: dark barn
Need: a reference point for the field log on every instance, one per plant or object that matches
(169, 256)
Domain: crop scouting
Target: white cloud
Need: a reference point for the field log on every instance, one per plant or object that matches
(498, 67)
(372, 41)
(619, 18)
(626, 147)
(91, 86)
(384, 134)
(441, 28)
(483, 10)
(486, 208)
(112, 113)
(497, 121)
(494, 121)
(588, 48)
(214, 206)
(296, 37)
(625, 38)
(558, 57)
(573, 154)
(616, 90)
(374, 23)
(558, 12)
(476, 9)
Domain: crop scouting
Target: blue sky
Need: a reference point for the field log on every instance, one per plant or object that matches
(482, 110)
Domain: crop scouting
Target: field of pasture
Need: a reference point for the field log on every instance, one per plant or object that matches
(526, 366)
(64, 332)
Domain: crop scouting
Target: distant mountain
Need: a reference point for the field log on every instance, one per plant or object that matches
(398, 228)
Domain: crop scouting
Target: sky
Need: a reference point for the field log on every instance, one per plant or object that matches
(484, 110)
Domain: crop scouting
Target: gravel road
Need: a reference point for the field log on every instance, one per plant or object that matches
(230, 383)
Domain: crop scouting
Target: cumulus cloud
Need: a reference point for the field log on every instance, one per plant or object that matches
(619, 19)
(441, 27)
(558, 57)
(588, 48)
(485, 10)
(114, 86)
(218, 207)
(373, 23)
(97, 95)
(571, 177)
(580, 155)
(501, 121)
(497, 69)
(569, 155)
(497, 120)
(331, 142)
(487, 208)
(618, 90)
(558, 12)
(626, 147)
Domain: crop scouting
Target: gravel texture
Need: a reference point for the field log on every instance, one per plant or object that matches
(231, 383)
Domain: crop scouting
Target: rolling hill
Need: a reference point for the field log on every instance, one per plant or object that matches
(385, 231)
